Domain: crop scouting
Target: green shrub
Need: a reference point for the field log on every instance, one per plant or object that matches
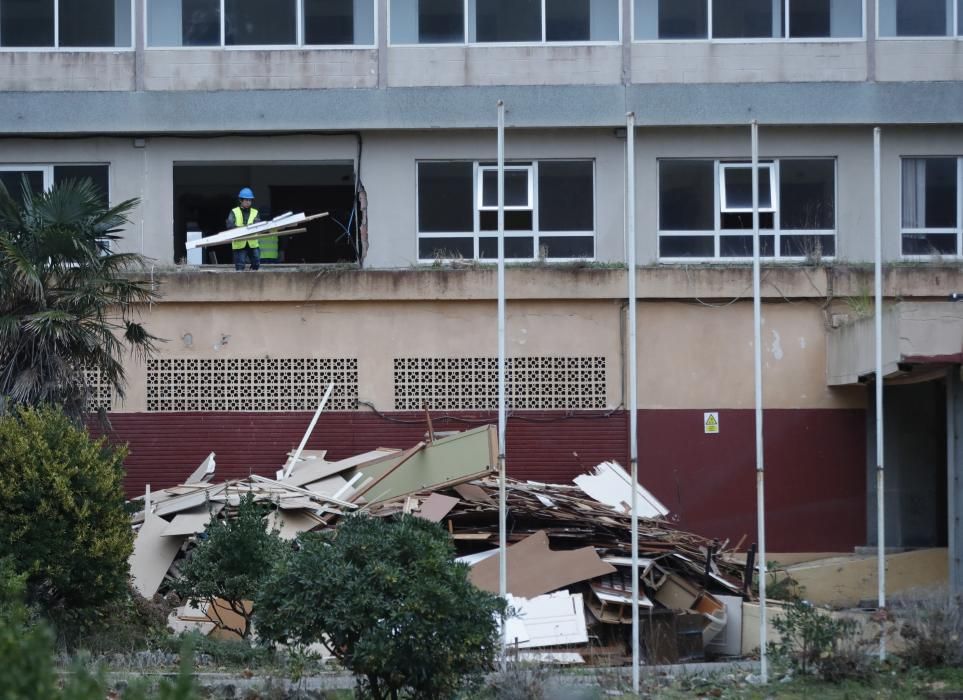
(62, 517)
(812, 642)
(230, 560)
(26, 650)
(388, 600)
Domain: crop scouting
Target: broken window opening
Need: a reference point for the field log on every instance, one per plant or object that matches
(549, 210)
(65, 23)
(703, 204)
(205, 193)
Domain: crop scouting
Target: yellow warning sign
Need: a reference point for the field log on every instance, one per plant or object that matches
(711, 422)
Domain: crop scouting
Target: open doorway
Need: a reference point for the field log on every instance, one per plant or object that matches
(205, 193)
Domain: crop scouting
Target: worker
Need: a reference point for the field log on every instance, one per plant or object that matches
(244, 215)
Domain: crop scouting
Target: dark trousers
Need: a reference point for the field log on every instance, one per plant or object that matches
(246, 254)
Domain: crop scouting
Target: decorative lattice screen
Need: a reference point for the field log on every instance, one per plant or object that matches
(472, 382)
(260, 384)
(101, 393)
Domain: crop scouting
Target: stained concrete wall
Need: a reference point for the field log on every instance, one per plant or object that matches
(22, 71)
(748, 62)
(919, 59)
(588, 64)
(253, 69)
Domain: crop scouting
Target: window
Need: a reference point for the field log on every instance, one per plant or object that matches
(549, 210)
(748, 19)
(916, 18)
(65, 23)
(172, 23)
(930, 222)
(705, 208)
(503, 21)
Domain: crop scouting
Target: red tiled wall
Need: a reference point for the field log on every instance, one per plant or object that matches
(815, 478)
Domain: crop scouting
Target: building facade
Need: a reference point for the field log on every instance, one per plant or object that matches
(382, 113)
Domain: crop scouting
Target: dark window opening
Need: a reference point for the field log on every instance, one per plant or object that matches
(445, 201)
(807, 192)
(258, 23)
(98, 175)
(25, 23)
(201, 22)
(746, 19)
(565, 196)
(686, 195)
(515, 247)
(921, 18)
(686, 247)
(743, 220)
(568, 20)
(683, 19)
(329, 22)
(13, 180)
(440, 21)
(810, 18)
(508, 20)
(741, 246)
(204, 195)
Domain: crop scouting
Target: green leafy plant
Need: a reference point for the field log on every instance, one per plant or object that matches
(67, 304)
(388, 600)
(812, 642)
(62, 518)
(231, 559)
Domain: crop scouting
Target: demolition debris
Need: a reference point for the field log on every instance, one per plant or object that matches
(568, 560)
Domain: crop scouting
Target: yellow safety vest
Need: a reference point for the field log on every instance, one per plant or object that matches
(239, 221)
(269, 247)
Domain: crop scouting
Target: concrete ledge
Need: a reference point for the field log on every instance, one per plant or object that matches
(704, 282)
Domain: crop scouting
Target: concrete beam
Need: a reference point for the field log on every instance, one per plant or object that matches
(296, 111)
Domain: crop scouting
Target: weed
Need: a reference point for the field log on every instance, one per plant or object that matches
(931, 623)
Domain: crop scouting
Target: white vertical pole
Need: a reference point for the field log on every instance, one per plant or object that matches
(633, 386)
(757, 348)
(502, 537)
(880, 495)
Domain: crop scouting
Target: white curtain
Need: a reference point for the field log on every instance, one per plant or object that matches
(914, 193)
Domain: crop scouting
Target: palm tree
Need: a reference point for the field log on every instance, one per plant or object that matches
(67, 304)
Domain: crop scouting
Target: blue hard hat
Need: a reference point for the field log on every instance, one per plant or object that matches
(246, 193)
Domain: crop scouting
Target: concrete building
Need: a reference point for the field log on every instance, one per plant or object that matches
(382, 112)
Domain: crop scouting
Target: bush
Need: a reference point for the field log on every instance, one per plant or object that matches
(62, 518)
(388, 600)
(931, 624)
(229, 562)
(815, 643)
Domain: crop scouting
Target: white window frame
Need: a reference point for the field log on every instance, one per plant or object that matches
(535, 233)
(84, 49)
(541, 42)
(918, 231)
(724, 168)
(299, 45)
(755, 40)
(480, 187)
(952, 34)
(717, 233)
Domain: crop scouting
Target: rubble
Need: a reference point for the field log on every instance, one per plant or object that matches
(569, 545)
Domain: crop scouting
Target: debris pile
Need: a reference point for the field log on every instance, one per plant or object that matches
(569, 567)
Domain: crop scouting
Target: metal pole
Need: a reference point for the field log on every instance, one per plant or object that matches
(757, 347)
(633, 386)
(502, 537)
(880, 513)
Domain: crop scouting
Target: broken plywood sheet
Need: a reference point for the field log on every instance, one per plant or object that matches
(312, 472)
(473, 493)
(550, 620)
(152, 556)
(436, 507)
(329, 486)
(609, 483)
(290, 524)
(185, 524)
(204, 472)
(452, 460)
(534, 569)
